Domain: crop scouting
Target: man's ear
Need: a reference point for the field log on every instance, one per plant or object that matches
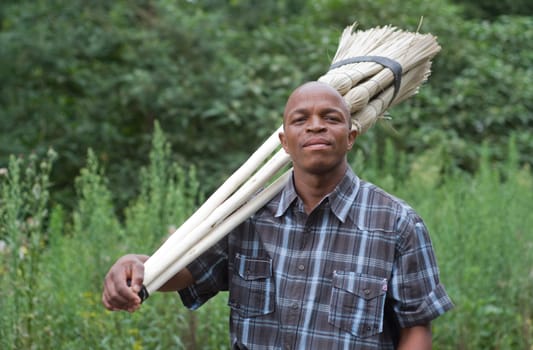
(283, 141)
(352, 135)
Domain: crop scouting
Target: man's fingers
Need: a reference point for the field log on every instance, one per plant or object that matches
(122, 284)
(115, 297)
(137, 277)
(121, 292)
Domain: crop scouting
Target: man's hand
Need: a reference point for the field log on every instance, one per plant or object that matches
(122, 283)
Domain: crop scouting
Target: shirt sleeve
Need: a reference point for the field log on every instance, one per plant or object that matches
(209, 272)
(417, 294)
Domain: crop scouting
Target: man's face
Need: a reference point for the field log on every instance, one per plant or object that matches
(317, 133)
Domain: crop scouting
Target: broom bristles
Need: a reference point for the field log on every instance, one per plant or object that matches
(362, 82)
(346, 77)
(376, 108)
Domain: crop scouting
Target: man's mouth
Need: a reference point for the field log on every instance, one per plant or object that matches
(316, 143)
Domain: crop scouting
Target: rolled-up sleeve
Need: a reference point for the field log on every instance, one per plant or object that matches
(417, 294)
(210, 273)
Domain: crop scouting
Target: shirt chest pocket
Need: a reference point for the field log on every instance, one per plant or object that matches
(357, 303)
(252, 291)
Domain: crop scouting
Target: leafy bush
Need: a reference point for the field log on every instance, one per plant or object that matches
(23, 213)
(53, 262)
(483, 96)
(80, 75)
(495, 8)
(481, 230)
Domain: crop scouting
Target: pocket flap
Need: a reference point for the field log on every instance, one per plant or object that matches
(252, 268)
(364, 286)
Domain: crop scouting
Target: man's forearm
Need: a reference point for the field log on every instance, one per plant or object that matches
(416, 338)
(181, 280)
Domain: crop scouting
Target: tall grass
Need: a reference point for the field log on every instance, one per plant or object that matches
(23, 211)
(53, 262)
(482, 230)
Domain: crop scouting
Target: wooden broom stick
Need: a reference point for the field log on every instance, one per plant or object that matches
(213, 202)
(219, 231)
(170, 254)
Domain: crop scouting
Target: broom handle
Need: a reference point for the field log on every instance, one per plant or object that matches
(154, 265)
(217, 233)
(223, 192)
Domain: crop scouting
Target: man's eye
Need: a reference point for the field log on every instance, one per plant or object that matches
(332, 118)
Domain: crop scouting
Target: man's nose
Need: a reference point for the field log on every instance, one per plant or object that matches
(315, 124)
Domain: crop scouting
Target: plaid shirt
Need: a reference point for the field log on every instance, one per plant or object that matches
(347, 276)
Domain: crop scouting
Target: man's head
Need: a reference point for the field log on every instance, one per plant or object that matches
(315, 87)
(317, 131)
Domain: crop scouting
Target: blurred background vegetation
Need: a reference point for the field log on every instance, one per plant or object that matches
(216, 74)
(118, 118)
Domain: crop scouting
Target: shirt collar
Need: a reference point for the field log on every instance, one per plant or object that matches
(340, 198)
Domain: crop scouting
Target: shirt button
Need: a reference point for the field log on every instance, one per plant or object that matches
(294, 306)
(301, 267)
(366, 291)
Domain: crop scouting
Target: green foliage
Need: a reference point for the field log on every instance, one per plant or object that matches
(487, 255)
(484, 95)
(481, 229)
(167, 196)
(52, 265)
(24, 198)
(53, 262)
(97, 75)
(78, 75)
(94, 216)
(495, 8)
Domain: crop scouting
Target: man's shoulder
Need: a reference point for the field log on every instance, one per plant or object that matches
(268, 211)
(371, 194)
(375, 208)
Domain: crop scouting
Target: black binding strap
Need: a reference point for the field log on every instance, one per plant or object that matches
(143, 294)
(394, 66)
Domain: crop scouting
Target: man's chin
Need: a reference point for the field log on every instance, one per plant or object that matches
(318, 168)
(322, 167)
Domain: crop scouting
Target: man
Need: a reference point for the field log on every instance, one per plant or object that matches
(332, 262)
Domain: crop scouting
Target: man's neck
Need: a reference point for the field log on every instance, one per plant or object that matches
(312, 188)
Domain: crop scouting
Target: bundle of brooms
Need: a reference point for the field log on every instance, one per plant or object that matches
(372, 69)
